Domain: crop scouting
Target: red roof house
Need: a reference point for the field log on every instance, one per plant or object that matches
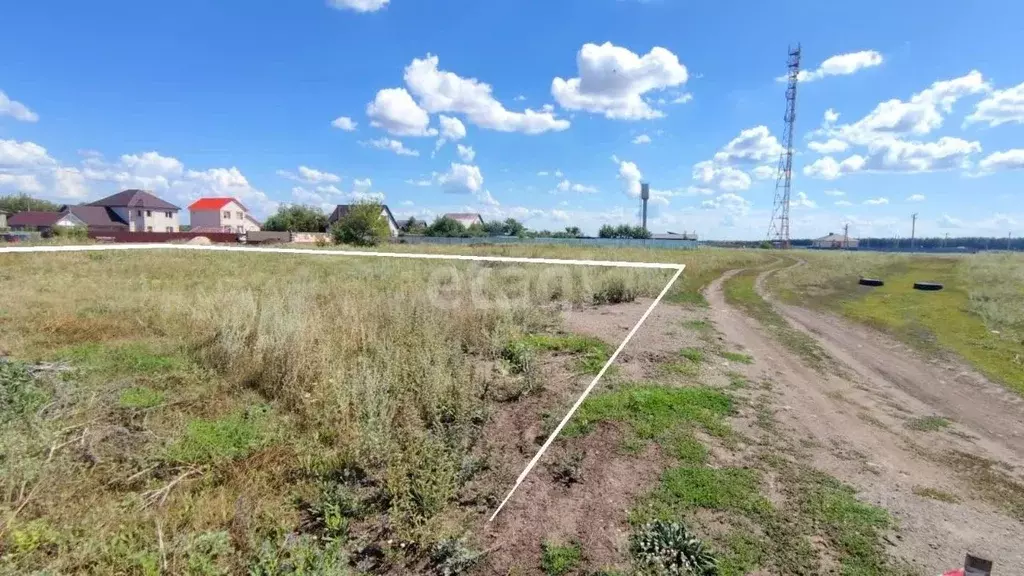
(221, 215)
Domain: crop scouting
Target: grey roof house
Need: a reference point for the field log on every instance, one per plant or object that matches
(140, 211)
(341, 210)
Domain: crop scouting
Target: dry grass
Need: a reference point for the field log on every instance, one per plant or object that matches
(233, 413)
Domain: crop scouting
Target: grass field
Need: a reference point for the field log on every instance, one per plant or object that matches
(221, 413)
(979, 315)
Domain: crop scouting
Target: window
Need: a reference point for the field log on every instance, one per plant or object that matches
(168, 215)
(170, 228)
(227, 215)
(241, 229)
(149, 213)
(149, 228)
(238, 215)
(138, 212)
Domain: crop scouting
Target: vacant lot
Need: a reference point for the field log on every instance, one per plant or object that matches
(213, 413)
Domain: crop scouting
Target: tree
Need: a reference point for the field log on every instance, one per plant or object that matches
(414, 226)
(363, 225)
(514, 227)
(623, 231)
(573, 231)
(494, 228)
(447, 227)
(476, 230)
(24, 203)
(297, 218)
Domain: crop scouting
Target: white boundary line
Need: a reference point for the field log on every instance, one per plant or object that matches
(410, 255)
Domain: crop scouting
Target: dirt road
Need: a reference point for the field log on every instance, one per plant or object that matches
(873, 427)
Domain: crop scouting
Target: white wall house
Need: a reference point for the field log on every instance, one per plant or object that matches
(142, 211)
(467, 219)
(342, 209)
(221, 215)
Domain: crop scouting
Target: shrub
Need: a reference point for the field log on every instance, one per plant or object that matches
(297, 218)
(19, 393)
(663, 548)
(615, 291)
(69, 232)
(446, 227)
(363, 225)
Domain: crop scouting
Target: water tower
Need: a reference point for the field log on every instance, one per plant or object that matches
(645, 195)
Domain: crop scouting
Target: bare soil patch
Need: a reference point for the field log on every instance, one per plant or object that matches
(853, 426)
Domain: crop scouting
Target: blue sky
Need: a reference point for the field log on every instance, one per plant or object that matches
(551, 112)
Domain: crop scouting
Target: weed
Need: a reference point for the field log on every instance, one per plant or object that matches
(935, 494)
(132, 358)
(699, 325)
(213, 441)
(737, 381)
(928, 423)
(20, 394)
(519, 356)
(593, 352)
(987, 482)
(559, 559)
(737, 357)
(726, 489)
(680, 368)
(453, 556)
(298, 555)
(568, 469)
(693, 355)
(140, 397)
(615, 291)
(663, 548)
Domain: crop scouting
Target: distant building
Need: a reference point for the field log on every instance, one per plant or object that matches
(467, 219)
(835, 242)
(141, 211)
(341, 210)
(43, 221)
(221, 215)
(674, 236)
(3, 220)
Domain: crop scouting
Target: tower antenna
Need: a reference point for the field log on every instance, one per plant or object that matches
(778, 231)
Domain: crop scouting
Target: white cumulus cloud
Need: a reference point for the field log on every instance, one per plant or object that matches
(344, 123)
(358, 5)
(832, 146)
(876, 201)
(998, 161)
(442, 91)
(452, 128)
(16, 109)
(394, 110)
(642, 139)
(461, 179)
(613, 81)
(721, 177)
(1000, 107)
(916, 198)
(840, 65)
(752, 145)
(466, 153)
(395, 146)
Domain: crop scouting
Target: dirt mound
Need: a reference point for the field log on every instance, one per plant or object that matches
(199, 241)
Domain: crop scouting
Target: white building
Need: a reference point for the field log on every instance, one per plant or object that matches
(467, 219)
(835, 242)
(142, 211)
(221, 215)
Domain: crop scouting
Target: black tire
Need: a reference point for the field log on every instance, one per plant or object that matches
(871, 282)
(927, 286)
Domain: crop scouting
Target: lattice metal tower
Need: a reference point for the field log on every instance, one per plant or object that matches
(778, 232)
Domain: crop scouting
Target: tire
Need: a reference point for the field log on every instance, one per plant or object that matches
(871, 282)
(927, 286)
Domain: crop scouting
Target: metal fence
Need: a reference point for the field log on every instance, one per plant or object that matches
(610, 242)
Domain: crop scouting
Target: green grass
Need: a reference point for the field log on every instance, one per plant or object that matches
(740, 291)
(560, 559)
(737, 357)
(211, 441)
(688, 488)
(679, 368)
(928, 423)
(140, 397)
(127, 358)
(593, 352)
(935, 494)
(694, 355)
(699, 325)
(737, 381)
(651, 411)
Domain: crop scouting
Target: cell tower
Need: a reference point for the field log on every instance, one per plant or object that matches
(778, 232)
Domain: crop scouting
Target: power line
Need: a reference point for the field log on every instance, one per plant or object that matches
(778, 231)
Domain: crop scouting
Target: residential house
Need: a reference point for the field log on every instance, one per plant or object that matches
(835, 242)
(141, 211)
(341, 210)
(221, 215)
(467, 219)
(97, 218)
(43, 221)
(3, 220)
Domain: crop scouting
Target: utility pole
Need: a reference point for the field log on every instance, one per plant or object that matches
(846, 235)
(913, 230)
(1008, 238)
(944, 240)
